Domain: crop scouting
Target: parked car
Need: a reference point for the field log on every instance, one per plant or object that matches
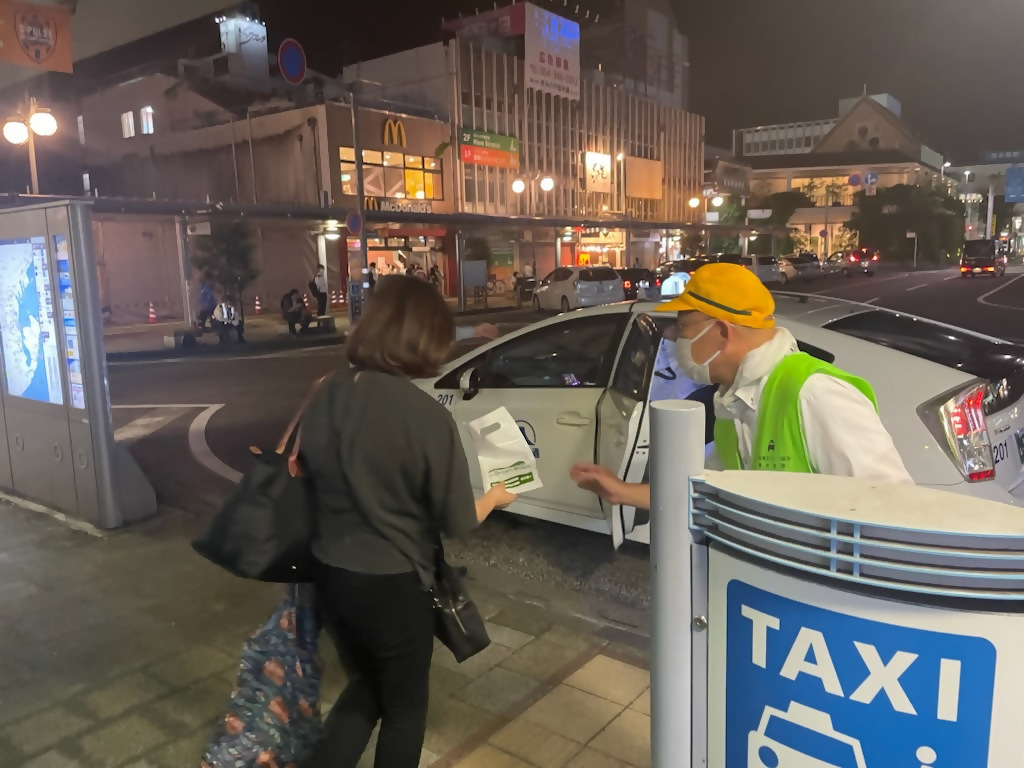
(633, 280)
(848, 263)
(801, 266)
(580, 386)
(669, 268)
(981, 257)
(768, 268)
(574, 287)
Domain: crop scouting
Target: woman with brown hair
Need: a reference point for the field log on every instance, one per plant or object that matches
(390, 475)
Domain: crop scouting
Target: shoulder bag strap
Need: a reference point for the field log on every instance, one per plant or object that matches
(290, 440)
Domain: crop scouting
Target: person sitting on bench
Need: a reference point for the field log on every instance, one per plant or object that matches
(294, 312)
(226, 317)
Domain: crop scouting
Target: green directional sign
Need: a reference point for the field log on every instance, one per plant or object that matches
(492, 141)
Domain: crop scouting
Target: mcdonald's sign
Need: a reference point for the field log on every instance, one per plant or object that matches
(371, 204)
(394, 133)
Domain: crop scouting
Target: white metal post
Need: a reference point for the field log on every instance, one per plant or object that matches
(677, 453)
(991, 207)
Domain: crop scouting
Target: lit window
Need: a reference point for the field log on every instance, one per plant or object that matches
(392, 175)
(86, 183)
(128, 125)
(81, 130)
(347, 154)
(146, 120)
(373, 157)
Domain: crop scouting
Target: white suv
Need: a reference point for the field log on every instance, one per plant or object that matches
(574, 287)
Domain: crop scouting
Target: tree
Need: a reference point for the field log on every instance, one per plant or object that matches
(883, 220)
(478, 249)
(225, 257)
(782, 205)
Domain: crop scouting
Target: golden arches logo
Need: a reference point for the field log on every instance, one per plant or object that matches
(371, 204)
(394, 133)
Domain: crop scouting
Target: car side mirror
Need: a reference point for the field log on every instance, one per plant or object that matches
(469, 383)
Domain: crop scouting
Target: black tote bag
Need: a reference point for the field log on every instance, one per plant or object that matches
(264, 529)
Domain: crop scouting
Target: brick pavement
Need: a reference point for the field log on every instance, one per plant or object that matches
(122, 650)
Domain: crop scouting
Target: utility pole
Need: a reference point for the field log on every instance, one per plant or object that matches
(358, 286)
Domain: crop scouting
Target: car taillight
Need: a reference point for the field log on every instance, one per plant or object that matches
(990, 269)
(853, 258)
(875, 257)
(657, 283)
(963, 418)
(627, 285)
(965, 269)
(575, 285)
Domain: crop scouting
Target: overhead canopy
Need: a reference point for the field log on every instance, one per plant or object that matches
(101, 25)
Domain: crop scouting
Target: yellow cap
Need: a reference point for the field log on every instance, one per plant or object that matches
(727, 292)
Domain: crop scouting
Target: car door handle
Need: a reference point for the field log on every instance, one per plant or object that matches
(572, 419)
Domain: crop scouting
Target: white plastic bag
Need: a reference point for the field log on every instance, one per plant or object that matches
(504, 454)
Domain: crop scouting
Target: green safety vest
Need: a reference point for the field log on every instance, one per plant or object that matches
(779, 445)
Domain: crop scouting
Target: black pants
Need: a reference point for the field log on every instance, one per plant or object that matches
(295, 319)
(321, 304)
(384, 629)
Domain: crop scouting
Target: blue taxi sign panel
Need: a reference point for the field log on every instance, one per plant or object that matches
(807, 687)
(291, 61)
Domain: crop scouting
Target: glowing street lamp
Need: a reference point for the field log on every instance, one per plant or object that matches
(31, 121)
(547, 184)
(694, 202)
(717, 201)
(519, 186)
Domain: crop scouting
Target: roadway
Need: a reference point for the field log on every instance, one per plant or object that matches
(191, 422)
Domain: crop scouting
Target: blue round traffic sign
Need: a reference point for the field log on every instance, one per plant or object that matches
(855, 180)
(354, 222)
(291, 61)
(871, 178)
(823, 233)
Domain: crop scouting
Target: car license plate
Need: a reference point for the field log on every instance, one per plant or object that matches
(977, 269)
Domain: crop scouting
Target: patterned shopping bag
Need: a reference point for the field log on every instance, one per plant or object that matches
(273, 718)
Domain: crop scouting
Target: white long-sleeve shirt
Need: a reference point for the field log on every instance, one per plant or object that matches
(842, 431)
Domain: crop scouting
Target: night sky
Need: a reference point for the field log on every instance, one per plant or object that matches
(956, 65)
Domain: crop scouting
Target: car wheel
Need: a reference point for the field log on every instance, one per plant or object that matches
(565, 303)
(783, 279)
(536, 303)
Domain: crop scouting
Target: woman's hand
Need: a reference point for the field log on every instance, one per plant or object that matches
(501, 497)
(496, 498)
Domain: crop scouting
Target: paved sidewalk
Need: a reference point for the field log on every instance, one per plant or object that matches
(122, 651)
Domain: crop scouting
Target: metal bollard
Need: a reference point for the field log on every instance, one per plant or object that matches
(677, 453)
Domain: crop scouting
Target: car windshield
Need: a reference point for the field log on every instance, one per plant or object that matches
(995, 362)
(823, 747)
(598, 275)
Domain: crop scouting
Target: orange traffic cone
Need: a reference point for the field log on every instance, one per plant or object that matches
(152, 314)
(259, 308)
(334, 298)
(305, 301)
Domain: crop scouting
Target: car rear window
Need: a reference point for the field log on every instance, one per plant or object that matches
(635, 275)
(980, 249)
(997, 363)
(598, 275)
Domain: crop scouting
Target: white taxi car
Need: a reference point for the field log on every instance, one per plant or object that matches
(574, 287)
(579, 385)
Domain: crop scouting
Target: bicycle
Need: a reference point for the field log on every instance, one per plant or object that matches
(495, 286)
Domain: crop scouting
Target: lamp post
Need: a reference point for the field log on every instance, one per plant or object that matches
(520, 185)
(31, 121)
(945, 165)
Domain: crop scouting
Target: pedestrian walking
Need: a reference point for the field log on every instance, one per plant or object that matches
(776, 408)
(207, 304)
(380, 512)
(318, 287)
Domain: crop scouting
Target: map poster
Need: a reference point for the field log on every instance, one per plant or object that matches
(27, 329)
(67, 309)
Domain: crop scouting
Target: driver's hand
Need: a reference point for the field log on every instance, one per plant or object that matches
(599, 480)
(487, 331)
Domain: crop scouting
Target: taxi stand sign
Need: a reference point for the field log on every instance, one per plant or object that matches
(807, 686)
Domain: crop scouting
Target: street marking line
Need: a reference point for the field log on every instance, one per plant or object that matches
(917, 287)
(165, 405)
(872, 301)
(860, 283)
(147, 425)
(951, 277)
(201, 450)
(983, 299)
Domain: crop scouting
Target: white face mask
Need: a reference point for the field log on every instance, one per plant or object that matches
(698, 373)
